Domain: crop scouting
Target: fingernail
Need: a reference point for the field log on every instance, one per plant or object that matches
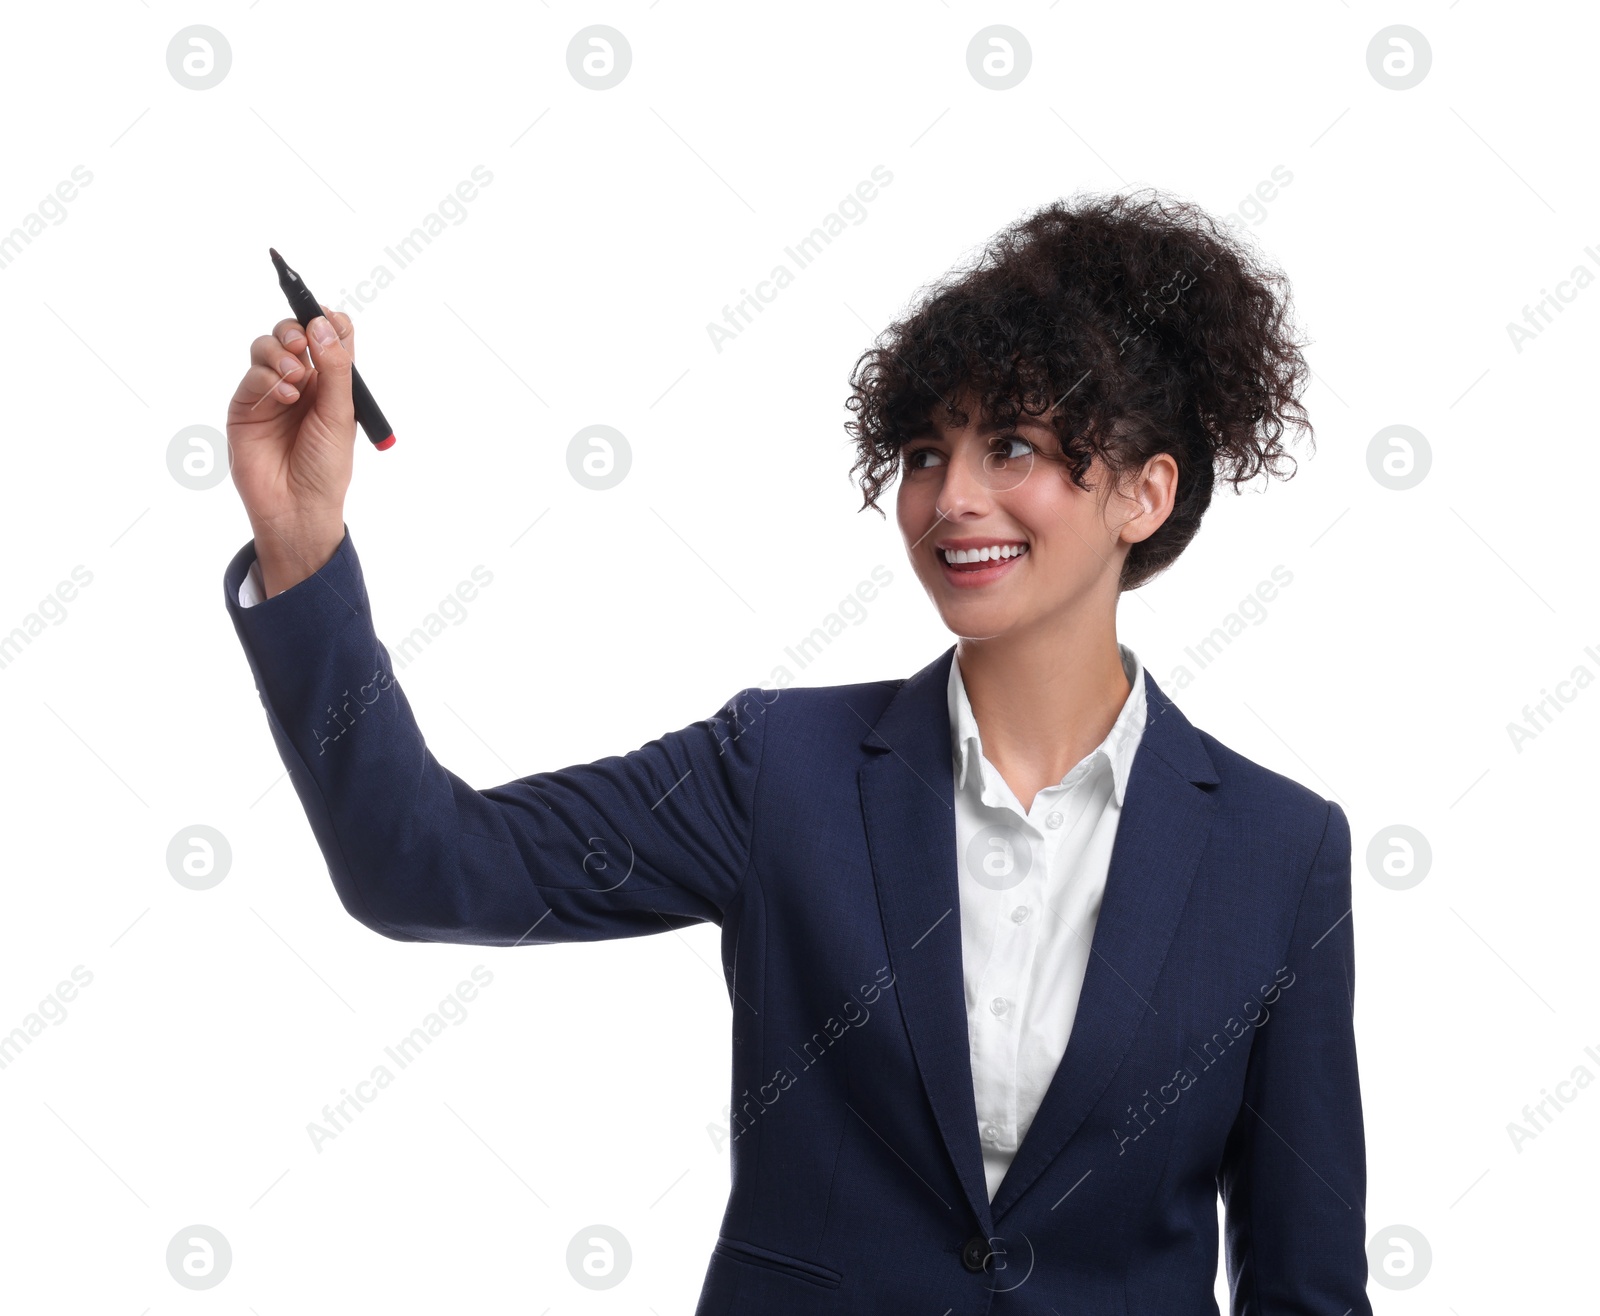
(288, 365)
(322, 331)
(287, 392)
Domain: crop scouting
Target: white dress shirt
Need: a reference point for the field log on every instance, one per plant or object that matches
(251, 590)
(1030, 884)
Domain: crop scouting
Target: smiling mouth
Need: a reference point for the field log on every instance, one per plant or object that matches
(974, 561)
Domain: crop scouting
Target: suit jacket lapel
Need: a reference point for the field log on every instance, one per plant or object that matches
(1166, 821)
(907, 800)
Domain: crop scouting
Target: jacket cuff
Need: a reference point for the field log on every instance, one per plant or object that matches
(286, 634)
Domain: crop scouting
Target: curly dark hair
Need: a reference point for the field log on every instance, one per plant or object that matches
(1136, 321)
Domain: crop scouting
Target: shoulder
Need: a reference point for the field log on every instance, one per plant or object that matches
(798, 732)
(1246, 776)
(1237, 783)
(1272, 807)
(823, 707)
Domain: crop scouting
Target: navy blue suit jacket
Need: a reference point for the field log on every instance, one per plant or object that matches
(1212, 1048)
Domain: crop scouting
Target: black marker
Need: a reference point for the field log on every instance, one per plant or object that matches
(306, 309)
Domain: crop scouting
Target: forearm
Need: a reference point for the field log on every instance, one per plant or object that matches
(627, 845)
(292, 549)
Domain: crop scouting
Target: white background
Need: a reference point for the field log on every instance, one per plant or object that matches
(586, 1082)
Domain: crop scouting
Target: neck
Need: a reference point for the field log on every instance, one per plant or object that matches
(1044, 698)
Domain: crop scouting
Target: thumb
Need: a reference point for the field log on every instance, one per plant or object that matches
(333, 405)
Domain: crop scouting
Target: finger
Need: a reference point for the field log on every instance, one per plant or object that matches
(269, 351)
(344, 326)
(333, 403)
(291, 335)
(282, 393)
(263, 387)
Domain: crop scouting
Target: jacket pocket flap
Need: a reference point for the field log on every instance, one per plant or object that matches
(795, 1266)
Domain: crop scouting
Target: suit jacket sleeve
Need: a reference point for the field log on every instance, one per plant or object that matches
(1293, 1177)
(642, 842)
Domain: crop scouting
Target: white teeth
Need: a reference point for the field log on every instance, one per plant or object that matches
(989, 553)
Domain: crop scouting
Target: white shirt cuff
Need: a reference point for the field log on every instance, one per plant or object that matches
(251, 590)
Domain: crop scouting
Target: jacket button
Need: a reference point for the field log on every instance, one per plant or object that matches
(974, 1253)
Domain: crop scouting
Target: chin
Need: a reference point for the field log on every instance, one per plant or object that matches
(977, 621)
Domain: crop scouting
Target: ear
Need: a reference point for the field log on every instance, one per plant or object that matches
(1146, 498)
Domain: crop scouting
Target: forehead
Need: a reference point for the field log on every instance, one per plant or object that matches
(940, 422)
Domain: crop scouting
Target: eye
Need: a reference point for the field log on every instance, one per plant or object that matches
(1004, 440)
(914, 456)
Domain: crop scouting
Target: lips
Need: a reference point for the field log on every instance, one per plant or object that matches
(984, 571)
(974, 549)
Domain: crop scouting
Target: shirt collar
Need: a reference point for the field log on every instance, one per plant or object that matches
(1116, 750)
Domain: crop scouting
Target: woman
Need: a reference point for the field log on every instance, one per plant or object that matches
(1024, 968)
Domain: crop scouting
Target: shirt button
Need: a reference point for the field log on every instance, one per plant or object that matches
(1053, 818)
(999, 1005)
(990, 1133)
(1019, 914)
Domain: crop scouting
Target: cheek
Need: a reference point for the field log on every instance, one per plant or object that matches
(1068, 539)
(1041, 507)
(1049, 501)
(913, 509)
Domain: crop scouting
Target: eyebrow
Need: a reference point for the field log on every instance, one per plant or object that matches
(929, 431)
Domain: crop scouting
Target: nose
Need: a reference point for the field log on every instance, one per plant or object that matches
(963, 490)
